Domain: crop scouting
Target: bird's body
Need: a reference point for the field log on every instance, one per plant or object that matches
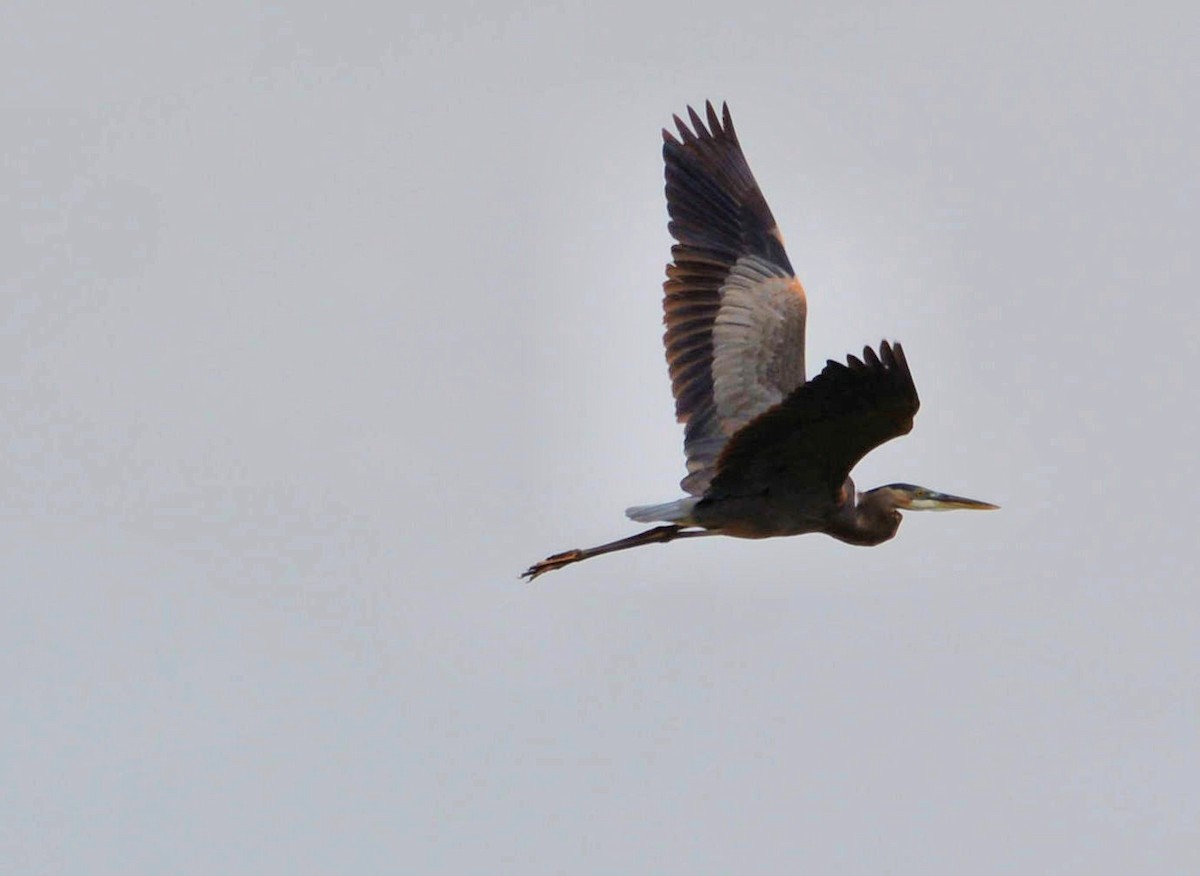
(768, 454)
(788, 512)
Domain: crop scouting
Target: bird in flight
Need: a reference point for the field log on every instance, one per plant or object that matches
(768, 453)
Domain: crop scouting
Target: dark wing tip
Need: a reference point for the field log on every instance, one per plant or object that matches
(892, 356)
(889, 358)
(710, 126)
(714, 124)
(888, 364)
(685, 133)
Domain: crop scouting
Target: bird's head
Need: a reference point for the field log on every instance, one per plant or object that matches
(909, 497)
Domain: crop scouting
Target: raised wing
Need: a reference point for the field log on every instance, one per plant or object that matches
(814, 438)
(734, 311)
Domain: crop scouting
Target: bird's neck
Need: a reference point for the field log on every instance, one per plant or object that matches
(864, 520)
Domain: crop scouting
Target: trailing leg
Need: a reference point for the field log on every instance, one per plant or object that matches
(660, 534)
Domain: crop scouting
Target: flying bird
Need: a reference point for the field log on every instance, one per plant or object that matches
(768, 453)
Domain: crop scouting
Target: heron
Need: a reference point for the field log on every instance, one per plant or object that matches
(769, 453)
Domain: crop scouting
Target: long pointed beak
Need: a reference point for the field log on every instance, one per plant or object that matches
(946, 502)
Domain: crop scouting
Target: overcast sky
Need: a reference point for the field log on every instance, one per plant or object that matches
(320, 322)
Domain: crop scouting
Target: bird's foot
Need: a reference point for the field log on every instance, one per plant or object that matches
(557, 561)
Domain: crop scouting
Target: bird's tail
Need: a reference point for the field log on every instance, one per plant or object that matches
(679, 511)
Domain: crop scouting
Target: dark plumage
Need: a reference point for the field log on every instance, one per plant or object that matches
(767, 453)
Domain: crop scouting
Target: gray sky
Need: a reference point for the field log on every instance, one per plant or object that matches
(319, 326)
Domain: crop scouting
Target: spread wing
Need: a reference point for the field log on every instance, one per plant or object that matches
(822, 429)
(734, 311)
